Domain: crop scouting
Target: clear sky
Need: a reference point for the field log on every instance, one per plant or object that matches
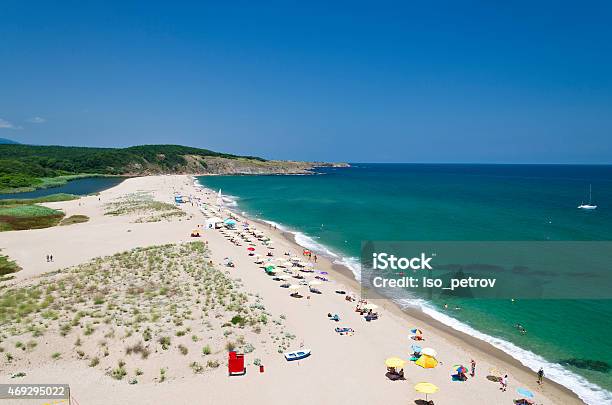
(425, 81)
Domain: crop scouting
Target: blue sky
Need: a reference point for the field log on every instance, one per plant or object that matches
(356, 81)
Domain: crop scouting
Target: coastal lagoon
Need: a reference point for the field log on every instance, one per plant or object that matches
(77, 187)
(334, 211)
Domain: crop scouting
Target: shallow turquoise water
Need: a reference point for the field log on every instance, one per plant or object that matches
(342, 207)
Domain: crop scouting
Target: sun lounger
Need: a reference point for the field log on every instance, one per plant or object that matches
(345, 331)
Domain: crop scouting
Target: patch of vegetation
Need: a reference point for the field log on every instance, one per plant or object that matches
(212, 364)
(196, 367)
(143, 205)
(74, 219)
(58, 197)
(21, 216)
(164, 341)
(119, 372)
(8, 266)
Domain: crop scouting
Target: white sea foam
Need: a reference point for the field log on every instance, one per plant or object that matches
(587, 391)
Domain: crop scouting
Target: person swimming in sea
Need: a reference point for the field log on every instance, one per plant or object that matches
(520, 328)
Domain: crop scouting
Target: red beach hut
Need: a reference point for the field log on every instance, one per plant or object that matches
(235, 363)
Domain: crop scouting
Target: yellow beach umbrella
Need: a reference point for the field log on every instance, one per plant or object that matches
(425, 388)
(426, 361)
(394, 362)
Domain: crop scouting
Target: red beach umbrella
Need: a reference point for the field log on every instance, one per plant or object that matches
(252, 249)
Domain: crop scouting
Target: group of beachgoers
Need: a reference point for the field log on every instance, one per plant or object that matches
(296, 267)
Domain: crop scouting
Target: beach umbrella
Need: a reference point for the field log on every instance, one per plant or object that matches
(426, 388)
(283, 277)
(426, 361)
(416, 331)
(370, 306)
(524, 392)
(295, 287)
(428, 351)
(270, 268)
(458, 368)
(314, 282)
(416, 348)
(394, 362)
(251, 249)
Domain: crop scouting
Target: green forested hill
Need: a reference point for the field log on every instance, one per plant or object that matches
(26, 166)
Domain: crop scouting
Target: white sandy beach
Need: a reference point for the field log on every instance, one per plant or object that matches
(341, 369)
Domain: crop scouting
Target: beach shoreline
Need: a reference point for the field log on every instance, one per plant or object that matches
(415, 315)
(337, 363)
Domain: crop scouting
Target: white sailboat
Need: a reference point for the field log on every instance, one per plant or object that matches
(222, 200)
(588, 206)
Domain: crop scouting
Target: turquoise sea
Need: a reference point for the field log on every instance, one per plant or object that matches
(334, 211)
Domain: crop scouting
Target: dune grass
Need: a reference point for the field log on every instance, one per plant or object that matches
(138, 310)
(145, 207)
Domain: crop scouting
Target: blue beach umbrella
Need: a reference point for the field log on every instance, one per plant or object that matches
(524, 392)
(416, 348)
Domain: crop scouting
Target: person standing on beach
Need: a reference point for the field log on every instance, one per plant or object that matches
(540, 376)
(473, 368)
(504, 383)
(47, 258)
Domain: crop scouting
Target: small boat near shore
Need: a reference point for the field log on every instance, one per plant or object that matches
(297, 354)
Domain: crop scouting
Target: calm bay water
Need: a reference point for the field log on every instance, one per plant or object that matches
(77, 187)
(342, 207)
